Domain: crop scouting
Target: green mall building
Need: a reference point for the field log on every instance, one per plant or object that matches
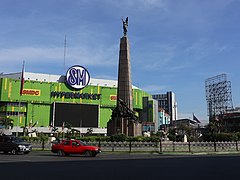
(48, 101)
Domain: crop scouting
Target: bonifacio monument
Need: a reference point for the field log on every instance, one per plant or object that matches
(124, 120)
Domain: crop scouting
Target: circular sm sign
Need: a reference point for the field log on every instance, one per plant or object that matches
(77, 77)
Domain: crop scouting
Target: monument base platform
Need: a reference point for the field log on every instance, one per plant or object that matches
(124, 126)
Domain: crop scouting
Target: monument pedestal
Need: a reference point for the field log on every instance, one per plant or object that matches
(122, 126)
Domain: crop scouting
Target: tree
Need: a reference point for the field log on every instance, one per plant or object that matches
(69, 129)
(54, 129)
(172, 134)
(6, 122)
(89, 131)
(214, 127)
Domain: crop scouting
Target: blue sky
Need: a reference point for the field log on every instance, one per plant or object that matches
(175, 45)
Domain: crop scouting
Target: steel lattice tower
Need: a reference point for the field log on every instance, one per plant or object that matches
(218, 96)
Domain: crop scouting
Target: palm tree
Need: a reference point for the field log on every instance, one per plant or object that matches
(214, 127)
(89, 131)
(69, 129)
(6, 122)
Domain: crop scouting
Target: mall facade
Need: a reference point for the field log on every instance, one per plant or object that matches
(48, 101)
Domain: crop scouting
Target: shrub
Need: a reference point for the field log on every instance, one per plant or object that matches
(220, 137)
(118, 138)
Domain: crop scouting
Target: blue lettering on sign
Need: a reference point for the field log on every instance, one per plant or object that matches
(81, 77)
(77, 77)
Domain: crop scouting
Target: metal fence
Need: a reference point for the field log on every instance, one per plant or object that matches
(161, 147)
(168, 146)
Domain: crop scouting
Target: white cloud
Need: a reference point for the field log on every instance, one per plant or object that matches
(101, 56)
(23, 53)
(203, 48)
(141, 4)
(157, 56)
(152, 3)
(178, 67)
(105, 77)
(153, 88)
(159, 60)
(185, 115)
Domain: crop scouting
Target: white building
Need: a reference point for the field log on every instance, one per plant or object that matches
(168, 103)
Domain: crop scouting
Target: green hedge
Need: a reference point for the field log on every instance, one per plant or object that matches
(220, 137)
(115, 138)
(35, 139)
(120, 138)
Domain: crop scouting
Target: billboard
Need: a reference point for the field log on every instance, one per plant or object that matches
(78, 115)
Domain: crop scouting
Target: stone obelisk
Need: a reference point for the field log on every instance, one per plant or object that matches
(124, 91)
(123, 118)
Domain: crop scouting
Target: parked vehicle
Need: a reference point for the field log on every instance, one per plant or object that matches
(67, 147)
(14, 145)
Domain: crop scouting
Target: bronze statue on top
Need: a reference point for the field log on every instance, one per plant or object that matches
(125, 26)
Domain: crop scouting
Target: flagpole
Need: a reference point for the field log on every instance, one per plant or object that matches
(17, 129)
(53, 121)
(21, 90)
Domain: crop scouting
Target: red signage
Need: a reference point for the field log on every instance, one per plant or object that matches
(113, 97)
(31, 92)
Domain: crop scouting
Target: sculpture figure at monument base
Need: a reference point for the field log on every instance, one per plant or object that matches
(124, 121)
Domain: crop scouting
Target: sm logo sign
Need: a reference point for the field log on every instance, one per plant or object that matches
(77, 77)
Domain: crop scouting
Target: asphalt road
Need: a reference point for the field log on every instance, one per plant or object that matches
(44, 165)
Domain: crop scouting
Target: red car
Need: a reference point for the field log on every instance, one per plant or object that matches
(67, 147)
